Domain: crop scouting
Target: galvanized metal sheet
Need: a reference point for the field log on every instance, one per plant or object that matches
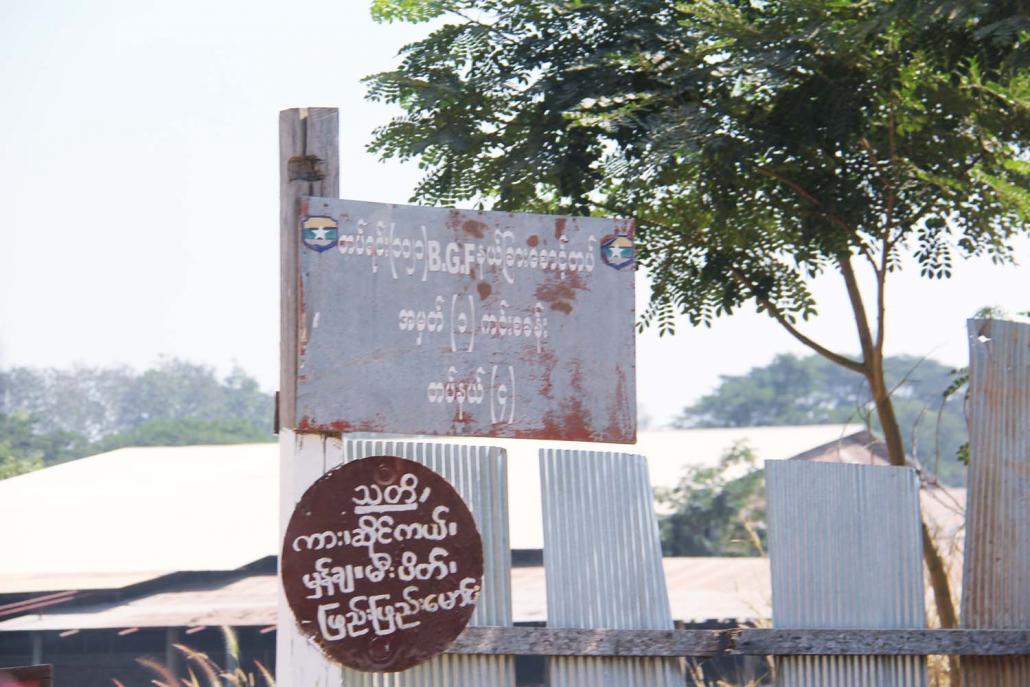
(479, 474)
(603, 563)
(423, 320)
(996, 577)
(845, 551)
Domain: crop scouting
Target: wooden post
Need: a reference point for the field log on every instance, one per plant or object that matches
(309, 165)
(171, 653)
(37, 648)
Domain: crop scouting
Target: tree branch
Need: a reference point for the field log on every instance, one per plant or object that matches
(805, 194)
(885, 242)
(503, 35)
(865, 336)
(793, 185)
(777, 315)
(881, 305)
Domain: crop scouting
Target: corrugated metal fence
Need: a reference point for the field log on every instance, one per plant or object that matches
(844, 544)
(845, 552)
(996, 577)
(603, 563)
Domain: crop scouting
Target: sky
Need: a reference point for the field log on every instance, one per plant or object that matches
(139, 195)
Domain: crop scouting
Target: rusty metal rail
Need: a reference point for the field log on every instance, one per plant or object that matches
(540, 641)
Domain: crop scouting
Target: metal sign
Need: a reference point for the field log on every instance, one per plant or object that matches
(419, 320)
(382, 564)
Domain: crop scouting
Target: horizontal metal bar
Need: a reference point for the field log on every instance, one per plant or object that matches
(882, 642)
(546, 641)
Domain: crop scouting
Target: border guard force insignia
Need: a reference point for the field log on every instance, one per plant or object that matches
(319, 233)
(617, 251)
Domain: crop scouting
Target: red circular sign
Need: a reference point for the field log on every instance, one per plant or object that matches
(382, 564)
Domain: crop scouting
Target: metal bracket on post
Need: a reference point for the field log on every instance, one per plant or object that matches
(305, 168)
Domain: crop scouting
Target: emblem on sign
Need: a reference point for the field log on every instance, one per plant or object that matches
(382, 564)
(319, 233)
(617, 250)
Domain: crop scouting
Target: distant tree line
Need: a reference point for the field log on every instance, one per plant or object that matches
(794, 390)
(51, 415)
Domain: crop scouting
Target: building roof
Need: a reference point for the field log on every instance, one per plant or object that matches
(668, 453)
(137, 513)
(699, 589)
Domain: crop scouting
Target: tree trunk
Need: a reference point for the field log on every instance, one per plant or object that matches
(872, 358)
(885, 412)
(935, 566)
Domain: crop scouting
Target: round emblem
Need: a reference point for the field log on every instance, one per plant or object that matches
(382, 564)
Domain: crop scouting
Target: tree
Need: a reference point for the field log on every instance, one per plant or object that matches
(188, 431)
(14, 463)
(100, 401)
(30, 444)
(811, 390)
(716, 511)
(758, 144)
(51, 415)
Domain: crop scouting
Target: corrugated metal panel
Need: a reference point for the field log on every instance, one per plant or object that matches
(845, 552)
(479, 473)
(996, 577)
(603, 562)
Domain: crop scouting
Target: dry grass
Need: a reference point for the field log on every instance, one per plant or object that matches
(202, 671)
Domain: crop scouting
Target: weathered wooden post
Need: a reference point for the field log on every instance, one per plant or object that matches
(996, 575)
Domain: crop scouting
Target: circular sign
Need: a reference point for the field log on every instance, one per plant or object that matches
(382, 564)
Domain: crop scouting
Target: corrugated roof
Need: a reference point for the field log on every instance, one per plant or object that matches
(41, 582)
(142, 512)
(699, 589)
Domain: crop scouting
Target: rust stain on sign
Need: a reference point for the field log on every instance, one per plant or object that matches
(382, 564)
(452, 322)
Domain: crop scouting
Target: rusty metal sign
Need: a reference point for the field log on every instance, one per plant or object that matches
(382, 564)
(419, 320)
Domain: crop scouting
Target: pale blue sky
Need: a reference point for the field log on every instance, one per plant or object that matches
(139, 193)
